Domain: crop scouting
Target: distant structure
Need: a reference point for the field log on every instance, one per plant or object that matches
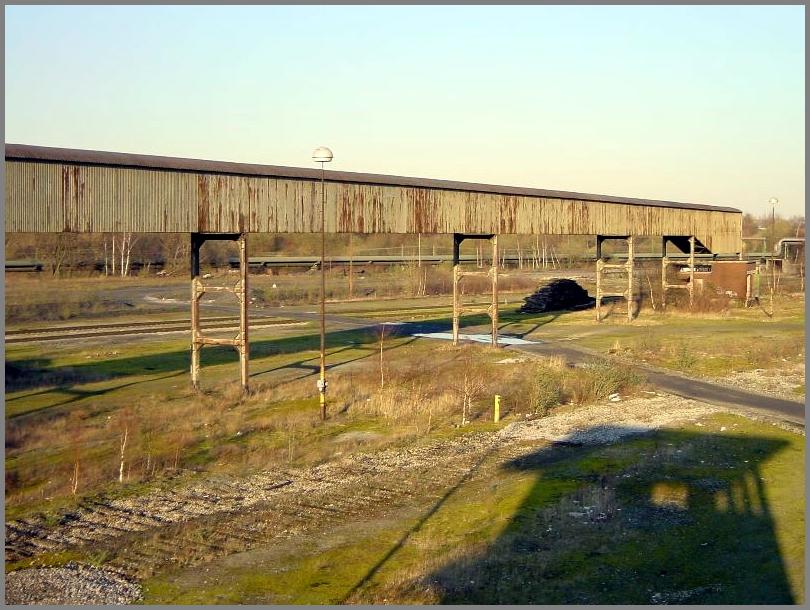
(51, 190)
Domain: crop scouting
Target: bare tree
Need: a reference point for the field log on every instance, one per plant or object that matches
(126, 422)
(59, 253)
(470, 386)
(127, 243)
(381, 337)
(123, 451)
(649, 284)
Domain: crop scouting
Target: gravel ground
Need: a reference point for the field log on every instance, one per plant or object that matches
(607, 421)
(779, 383)
(73, 584)
(236, 514)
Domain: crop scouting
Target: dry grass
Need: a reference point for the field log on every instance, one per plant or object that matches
(429, 389)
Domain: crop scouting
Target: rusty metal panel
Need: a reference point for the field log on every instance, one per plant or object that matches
(63, 197)
(262, 201)
(31, 198)
(47, 196)
(111, 159)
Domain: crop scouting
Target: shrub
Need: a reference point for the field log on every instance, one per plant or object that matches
(546, 390)
(683, 357)
(598, 380)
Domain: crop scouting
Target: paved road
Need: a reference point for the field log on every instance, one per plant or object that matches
(687, 387)
(667, 381)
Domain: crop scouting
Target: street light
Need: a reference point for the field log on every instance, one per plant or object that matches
(773, 201)
(322, 155)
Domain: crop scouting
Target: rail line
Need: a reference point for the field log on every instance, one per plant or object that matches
(55, 333)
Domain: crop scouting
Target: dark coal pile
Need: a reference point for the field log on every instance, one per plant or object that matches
(556, 295)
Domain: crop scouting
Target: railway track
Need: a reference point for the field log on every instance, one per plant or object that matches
(221, 515)
(56, 333)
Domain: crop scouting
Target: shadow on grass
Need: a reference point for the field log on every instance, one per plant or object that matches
(38, 373)
(670, 517)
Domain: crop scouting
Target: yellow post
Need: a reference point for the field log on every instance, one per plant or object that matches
(497, 408)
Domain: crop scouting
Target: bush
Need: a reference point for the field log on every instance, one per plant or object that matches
(598, 380)
(546, 390)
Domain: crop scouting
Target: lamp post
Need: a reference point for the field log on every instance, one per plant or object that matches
(773, 201)
(322, 155)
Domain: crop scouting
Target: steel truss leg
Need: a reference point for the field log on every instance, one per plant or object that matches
(691, 271)
(457, 239)
(665, 263)
(630, 271)
(629, 268)
(599, 265)
(240, 290)
(492, 310)
(664, 266)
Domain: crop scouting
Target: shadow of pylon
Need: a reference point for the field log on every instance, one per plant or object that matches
(418, 525)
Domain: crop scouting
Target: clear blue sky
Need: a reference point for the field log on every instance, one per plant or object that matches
(700, 104)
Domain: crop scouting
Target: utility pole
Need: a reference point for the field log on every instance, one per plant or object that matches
(323, 155)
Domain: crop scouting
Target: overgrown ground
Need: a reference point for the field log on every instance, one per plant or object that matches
(512, 529)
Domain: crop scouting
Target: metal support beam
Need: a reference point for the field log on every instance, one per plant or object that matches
(458, 274)
(666, 262)
(457, 239)
(244, 300)
(630, 271)
(691, 271)
(196, 346)
(599, 264)
(628, 266)
(494, 312)
(240, 290)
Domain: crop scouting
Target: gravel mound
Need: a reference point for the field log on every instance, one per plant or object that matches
(556, 295)
(602, 423)
(73, 584)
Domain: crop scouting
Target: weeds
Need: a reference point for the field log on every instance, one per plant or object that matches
(598, 380)
(546, 389)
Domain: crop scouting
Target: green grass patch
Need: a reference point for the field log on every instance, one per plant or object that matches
(711, 513)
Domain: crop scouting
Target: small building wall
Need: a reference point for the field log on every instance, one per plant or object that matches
(728, 276)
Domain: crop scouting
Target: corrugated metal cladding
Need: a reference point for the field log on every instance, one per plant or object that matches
(47, 196)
